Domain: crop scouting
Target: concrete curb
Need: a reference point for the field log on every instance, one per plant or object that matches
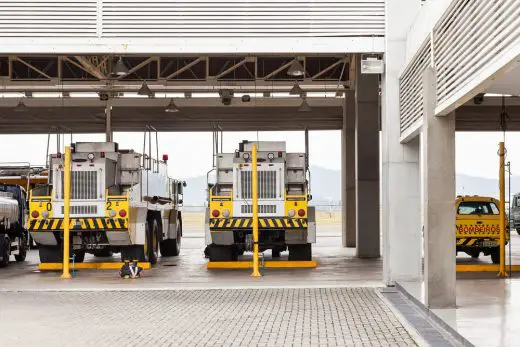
(434, 317)
(416, 336)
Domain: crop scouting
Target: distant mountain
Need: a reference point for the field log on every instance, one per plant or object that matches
(469, 185)
(326, 187)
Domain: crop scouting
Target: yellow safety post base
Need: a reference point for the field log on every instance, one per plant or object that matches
(485, 268)
(274, 264)
(64, 276)
(97, 266)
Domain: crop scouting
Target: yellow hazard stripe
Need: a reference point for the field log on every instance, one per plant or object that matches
(263, 223)
(89, 223)
(471, 242)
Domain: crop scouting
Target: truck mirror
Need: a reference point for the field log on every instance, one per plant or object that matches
(180, 201)
(184, 183)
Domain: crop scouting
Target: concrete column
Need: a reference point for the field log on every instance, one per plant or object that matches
(439, 200)
(367, 165)
(401, 197)
(348, 171)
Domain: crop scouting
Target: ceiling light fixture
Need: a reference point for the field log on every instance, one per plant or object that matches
(145, 90)
(296, 69)
(296, 90)
(171, 107)
(120, 69)
(21, 107)
(304, 107)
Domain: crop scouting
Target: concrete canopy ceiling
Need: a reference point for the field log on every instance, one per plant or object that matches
(322, 116)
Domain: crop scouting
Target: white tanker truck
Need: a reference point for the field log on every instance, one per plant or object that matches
(13, 235)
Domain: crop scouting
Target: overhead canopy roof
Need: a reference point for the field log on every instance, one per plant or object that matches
(323, 115)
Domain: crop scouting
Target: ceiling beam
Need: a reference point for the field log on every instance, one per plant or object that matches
(280, 69)
(185, 67)
(79, 66)
(234, 67)
(330, 67)
(31, 67)
(139, 66)
(93, 70)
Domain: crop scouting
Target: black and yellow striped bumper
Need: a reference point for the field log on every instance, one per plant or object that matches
(263, 223)
(84, 224)
(475, 241)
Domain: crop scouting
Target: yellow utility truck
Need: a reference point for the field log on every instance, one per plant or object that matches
(286, 221)
(478, 226)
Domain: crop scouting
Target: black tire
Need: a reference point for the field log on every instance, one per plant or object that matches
(6, 246)
(172, 247)
(79, 255)
(132, 253)
(50, 254)
(495, 255)
(22, 253)
(474, 253)
(103, 253)
(300, 252)
(220, 253)
(276, 253)
(518, 231)
(152, 241)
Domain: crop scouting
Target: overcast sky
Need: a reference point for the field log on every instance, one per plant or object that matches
(190, 153)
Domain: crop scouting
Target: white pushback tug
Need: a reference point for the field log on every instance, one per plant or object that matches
(120, 201)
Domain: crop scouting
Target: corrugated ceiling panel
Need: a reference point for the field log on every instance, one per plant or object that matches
(236, 18)
(22, 18)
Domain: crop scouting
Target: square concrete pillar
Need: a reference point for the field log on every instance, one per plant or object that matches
(367, 165)
(439, 200)
(348, 171)
(401, 193)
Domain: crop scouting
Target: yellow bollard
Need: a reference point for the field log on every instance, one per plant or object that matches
(502, 179)
(66, 215)
(254, 169)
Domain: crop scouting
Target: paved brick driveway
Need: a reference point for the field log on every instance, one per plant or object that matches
(249, 317)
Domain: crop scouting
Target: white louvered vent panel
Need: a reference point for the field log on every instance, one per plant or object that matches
(411, 87)
(470, 37)
(267, 18)
(22, 18)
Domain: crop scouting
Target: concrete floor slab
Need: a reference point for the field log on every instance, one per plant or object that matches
(487, 313)
(337, 266)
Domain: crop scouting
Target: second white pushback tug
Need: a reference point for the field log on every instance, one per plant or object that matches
(286, 221)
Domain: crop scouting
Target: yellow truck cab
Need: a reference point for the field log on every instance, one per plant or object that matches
(478, 226)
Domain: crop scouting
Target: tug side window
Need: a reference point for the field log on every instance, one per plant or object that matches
(477, 207)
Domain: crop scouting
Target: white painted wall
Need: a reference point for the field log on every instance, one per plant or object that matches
(430, 12)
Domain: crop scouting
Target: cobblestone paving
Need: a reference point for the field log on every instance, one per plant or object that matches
(252, 317)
